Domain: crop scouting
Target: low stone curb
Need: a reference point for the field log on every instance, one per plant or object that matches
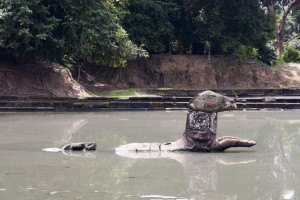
(228, 92)
(134, 103)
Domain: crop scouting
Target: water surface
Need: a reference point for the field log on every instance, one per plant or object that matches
(269, 170)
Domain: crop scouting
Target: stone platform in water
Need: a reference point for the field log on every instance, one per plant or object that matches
(221, 144)
(153, 147)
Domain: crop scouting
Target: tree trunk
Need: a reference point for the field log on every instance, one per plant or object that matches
(280, 43)
(279, 26)
(170, 48)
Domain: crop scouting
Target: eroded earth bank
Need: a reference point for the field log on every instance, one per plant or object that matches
(196, 72)
(164, 71)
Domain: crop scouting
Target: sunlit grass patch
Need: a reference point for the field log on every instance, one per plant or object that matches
(123, 93)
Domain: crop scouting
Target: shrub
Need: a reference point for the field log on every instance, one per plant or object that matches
(244, 52)
(291, 55)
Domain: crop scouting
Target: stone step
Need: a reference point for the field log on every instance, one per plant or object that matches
(129, 105)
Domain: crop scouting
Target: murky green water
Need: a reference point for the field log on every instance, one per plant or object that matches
(269, 170)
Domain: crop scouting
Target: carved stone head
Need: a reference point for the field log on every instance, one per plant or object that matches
(209, 101)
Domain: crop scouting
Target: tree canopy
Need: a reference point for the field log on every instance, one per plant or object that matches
(61, 30)
(199, 27)
(110, 32)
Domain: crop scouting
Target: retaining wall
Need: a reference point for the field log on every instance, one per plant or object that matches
(169, 99)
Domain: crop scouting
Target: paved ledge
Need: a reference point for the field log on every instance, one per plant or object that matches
(228, 92)
(145, 103)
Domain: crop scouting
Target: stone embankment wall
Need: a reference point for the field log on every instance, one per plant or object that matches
(245, 99)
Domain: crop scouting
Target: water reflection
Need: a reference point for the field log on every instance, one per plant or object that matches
(84, 154)
(278, 134)
(200, 169)
(244, 175)
(67, 136)
(270, 170)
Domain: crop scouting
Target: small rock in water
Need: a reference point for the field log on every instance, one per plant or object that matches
(81, 146)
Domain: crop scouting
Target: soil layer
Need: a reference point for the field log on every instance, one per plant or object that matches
(159, 71)
(192, 72)
(39, 79)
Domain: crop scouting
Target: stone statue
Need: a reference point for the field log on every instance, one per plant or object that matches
(201, 128)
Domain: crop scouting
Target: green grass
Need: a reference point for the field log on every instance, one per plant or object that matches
(122, 93)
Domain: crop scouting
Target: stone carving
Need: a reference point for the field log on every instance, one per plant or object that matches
(81, 146)
(210, 102)
(201, 128)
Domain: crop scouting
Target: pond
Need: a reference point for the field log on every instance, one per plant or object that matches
(269, 170)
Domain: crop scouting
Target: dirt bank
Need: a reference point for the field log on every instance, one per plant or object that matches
(182, 72)
(40, 79)
(194, 72)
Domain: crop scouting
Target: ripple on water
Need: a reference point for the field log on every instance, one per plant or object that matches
(57, 192)
(162, 197)
(30, 188)
(52, 149)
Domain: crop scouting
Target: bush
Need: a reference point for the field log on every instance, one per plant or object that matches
(289, 55)
(244, 52)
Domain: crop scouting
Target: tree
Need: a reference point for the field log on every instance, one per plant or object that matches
(27, 29)
(199, 27)
(57, 30)
(149, 23)
(281, 8)
(226, 25)
(292, 30)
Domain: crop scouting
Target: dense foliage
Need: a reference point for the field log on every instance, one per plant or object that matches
(110, 32)
(149, 23)
(198, 27)
(65, 30)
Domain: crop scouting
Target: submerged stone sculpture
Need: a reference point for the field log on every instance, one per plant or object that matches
(201, 128)
(81, 146)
